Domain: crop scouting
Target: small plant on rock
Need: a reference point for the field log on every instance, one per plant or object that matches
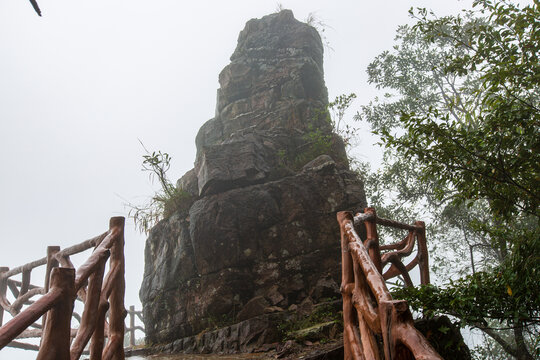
(164, 202)
(317, 139)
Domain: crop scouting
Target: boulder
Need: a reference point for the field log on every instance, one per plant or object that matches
(253, 307)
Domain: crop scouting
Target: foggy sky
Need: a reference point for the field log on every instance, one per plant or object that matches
(81, 85)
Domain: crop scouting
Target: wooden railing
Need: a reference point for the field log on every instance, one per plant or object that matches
(63, 285)
(131, 328)
(369, 312)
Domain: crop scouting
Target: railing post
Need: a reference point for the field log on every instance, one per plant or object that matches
(132, 326)
(361, 293)
(91, 310)
(25, 283)
(372, 239)
(98, 337)
(117, 312)
(423, 257)
(56, 333)
(388, 313)
(51, 264)
(351, 337)
(3, 291)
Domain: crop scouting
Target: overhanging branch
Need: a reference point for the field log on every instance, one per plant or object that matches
(35, 6)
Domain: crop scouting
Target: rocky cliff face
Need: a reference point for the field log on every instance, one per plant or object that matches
(260, 234)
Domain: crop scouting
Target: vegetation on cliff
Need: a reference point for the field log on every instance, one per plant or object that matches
(167, 200)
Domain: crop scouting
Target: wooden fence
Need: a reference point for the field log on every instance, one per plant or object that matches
(101, 295)
(132, 327)
(369, 312)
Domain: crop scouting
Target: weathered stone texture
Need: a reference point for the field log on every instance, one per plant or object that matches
(261, 234)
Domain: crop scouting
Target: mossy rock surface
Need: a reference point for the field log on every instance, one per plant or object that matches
(317, 332)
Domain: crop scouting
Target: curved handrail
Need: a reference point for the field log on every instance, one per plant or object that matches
(98, 294)
(368, 307)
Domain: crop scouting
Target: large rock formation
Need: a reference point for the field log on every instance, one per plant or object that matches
(269, 177)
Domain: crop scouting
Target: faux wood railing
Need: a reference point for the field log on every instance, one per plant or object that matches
(369, 312)
(55, 306)
(132, 327)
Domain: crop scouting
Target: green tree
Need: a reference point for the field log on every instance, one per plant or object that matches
(460, 123)
(414, 82)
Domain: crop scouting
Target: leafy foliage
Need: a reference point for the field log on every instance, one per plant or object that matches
(492, 153)
(499, 294)
(337, 109)
(324, 132)
(503, 301)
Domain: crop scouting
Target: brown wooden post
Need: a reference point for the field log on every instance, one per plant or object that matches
(351, 337)
(3, 291)
(387, 314)
(98, 337)
(91, 309)
(372, 239)
(361, 293)
(423, 256)
(51, 264)
(132, 326)
(57, 331)
(25, 283)
(117, 312)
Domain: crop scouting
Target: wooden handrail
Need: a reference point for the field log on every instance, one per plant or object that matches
(75, 249)
(15, 326)
(368, 307)
(56, 305)
(359, 218)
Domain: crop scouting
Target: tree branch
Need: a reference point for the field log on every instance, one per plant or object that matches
(499, 339)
